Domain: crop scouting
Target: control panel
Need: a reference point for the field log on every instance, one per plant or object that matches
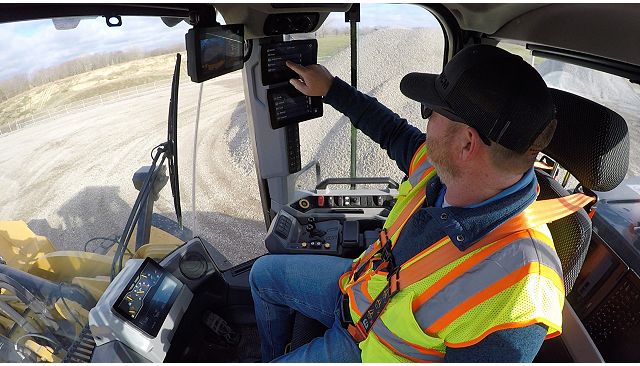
(318, 202)
(288, 235)
(287, 106)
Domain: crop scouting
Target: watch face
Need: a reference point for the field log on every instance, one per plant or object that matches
(193, 265)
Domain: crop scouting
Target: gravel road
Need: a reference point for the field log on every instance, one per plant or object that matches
(69, 177)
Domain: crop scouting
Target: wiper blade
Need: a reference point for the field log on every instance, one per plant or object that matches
(172, 133)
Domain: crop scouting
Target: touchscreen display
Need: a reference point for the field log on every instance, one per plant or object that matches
(148, 297)
(288, 106)
(214, 51)
(274, 69)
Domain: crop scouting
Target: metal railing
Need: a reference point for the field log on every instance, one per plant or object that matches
(82, 105)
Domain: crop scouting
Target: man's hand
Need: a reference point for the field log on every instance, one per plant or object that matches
(315, 80)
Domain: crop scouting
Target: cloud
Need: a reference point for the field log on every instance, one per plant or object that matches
(34, 45)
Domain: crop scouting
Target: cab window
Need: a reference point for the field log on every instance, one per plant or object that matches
(614, 92)
(393, 40)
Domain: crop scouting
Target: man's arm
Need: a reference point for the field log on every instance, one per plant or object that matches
(390, 131)
(507, 345)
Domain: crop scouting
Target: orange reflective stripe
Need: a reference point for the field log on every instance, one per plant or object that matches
(501, 285)
(416, 156)
(427, 172)
(341, 282)
(412, 206)
(538, 213)
(502, 327)
(390, 347)
(446, 255)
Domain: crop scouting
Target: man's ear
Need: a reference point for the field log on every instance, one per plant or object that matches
(470, 143)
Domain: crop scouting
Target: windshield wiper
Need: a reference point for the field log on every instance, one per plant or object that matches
(172, 133)
(165, 151)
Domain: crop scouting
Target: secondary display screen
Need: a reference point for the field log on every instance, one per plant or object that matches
(274, 56)
(214, 51)
(148, 297)
(288, 106)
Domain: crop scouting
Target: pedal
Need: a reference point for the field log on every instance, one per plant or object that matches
(220, 328)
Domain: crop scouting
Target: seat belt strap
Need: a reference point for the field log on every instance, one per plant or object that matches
(538, 213)
(386, 234)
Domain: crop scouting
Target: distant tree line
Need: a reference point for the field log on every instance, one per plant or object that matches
(21, 83)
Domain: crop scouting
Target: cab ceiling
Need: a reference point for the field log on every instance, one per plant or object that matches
(607, 30)
(253, 16)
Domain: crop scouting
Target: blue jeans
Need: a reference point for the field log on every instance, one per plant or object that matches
(283, 283)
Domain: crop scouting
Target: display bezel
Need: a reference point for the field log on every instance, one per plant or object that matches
(150, 331)
(273, 78)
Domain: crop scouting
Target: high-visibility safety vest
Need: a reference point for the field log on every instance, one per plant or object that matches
(443, 297)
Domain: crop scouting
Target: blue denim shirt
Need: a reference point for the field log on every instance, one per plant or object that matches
(464, 225)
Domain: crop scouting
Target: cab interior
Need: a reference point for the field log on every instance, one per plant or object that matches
(341, 215)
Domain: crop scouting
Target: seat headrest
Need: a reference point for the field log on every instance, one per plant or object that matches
(591, 141)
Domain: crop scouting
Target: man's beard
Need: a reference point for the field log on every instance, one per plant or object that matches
(441, 159)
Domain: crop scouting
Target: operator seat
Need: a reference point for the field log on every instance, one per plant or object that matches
(592, 143)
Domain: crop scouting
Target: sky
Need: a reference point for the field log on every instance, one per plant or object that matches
(30, 46)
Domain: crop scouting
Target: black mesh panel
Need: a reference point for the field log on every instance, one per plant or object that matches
(571, 234)
(591, 141)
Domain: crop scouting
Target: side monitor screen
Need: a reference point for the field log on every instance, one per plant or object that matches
(214, 51)
(273, 57)
(288, 106)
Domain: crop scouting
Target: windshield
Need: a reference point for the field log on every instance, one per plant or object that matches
(388, 47)
(81, 110)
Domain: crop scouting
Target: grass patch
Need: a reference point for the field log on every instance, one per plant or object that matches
(330, 45)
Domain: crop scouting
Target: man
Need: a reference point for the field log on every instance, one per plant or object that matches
(473, 295)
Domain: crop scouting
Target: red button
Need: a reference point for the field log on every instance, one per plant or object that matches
(320, 201)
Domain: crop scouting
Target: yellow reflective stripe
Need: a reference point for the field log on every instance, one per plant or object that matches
(552, 274)
(422, 151)
(426, 252)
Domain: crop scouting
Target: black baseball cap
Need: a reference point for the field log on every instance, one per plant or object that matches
(497, 93)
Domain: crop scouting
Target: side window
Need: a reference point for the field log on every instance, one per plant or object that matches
(393, 40)
(613, 92)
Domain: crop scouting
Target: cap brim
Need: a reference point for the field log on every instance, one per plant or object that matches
(421, 87)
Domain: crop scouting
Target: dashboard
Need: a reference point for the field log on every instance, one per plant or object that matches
(141, 309)
(148, 297)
